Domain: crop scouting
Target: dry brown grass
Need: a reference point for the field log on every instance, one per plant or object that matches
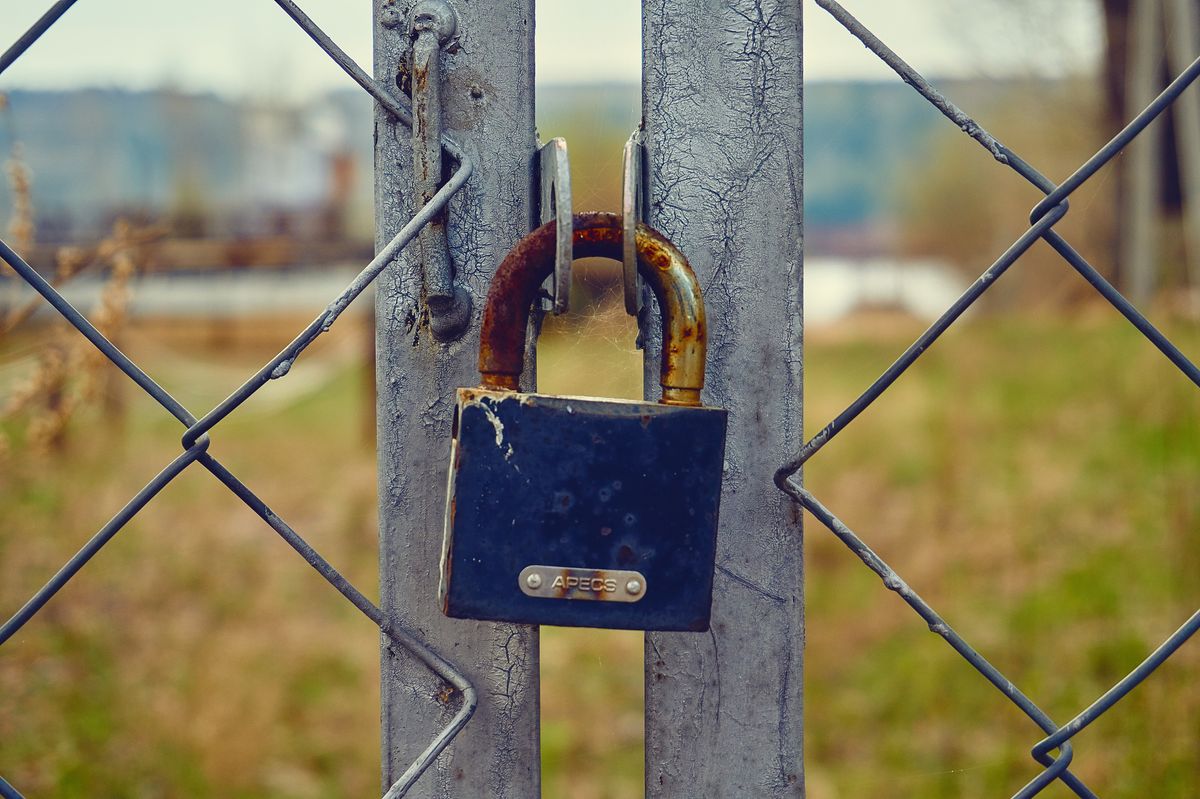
(70, 371)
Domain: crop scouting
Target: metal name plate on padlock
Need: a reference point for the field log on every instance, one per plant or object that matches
(576, 511)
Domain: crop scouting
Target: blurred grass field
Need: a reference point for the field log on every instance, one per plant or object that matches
(1035, 479)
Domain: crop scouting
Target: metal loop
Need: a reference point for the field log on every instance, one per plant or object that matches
(554, 175)
(432, 25)
(633, 211)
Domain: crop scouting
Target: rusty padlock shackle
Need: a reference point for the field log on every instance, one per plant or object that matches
(597, 234)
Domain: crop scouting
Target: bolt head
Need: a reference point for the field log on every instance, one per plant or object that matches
(449, 318)
(434, 15)
(389, 15)
(633, 587)
(534, 581)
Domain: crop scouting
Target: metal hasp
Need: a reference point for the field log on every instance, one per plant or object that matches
(598, 487)
(633, 210)
(433, 25)
(554, 175)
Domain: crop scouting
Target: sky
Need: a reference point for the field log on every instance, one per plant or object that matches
(248, 48)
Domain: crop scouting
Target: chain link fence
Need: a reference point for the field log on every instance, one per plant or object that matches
(196, 438)
(1054, 752)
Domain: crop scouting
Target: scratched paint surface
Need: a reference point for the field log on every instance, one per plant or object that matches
(721, 99)
(488, 107)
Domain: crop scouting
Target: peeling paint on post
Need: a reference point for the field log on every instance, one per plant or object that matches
(721, 103)
(487, 107)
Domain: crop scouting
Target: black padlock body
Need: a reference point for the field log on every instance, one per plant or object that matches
(588, 484)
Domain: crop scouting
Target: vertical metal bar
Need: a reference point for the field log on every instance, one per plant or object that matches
(1140, 199)
(721, 102)
(427, 160)
(487, 97)
(432, 26)
(1183, 45)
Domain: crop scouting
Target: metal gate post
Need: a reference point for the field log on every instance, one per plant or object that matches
(721, 104)
(487, 106)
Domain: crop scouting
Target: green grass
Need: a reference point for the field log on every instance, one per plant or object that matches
(1035, 479)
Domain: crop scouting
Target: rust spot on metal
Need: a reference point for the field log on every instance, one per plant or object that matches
(662, 266)
(404, 77)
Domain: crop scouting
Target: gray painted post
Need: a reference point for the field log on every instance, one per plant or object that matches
(1140, 195)
(488, 108)
(721, 102)
(1183, 44)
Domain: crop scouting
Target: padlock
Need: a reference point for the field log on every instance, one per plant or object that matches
(577, 511)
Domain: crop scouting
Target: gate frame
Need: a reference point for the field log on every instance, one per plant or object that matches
(722, 116)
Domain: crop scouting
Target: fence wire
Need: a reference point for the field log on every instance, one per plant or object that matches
(1054, 751)
(196, 438)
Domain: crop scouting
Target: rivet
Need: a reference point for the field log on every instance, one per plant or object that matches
(534, 581)
(633, 587)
